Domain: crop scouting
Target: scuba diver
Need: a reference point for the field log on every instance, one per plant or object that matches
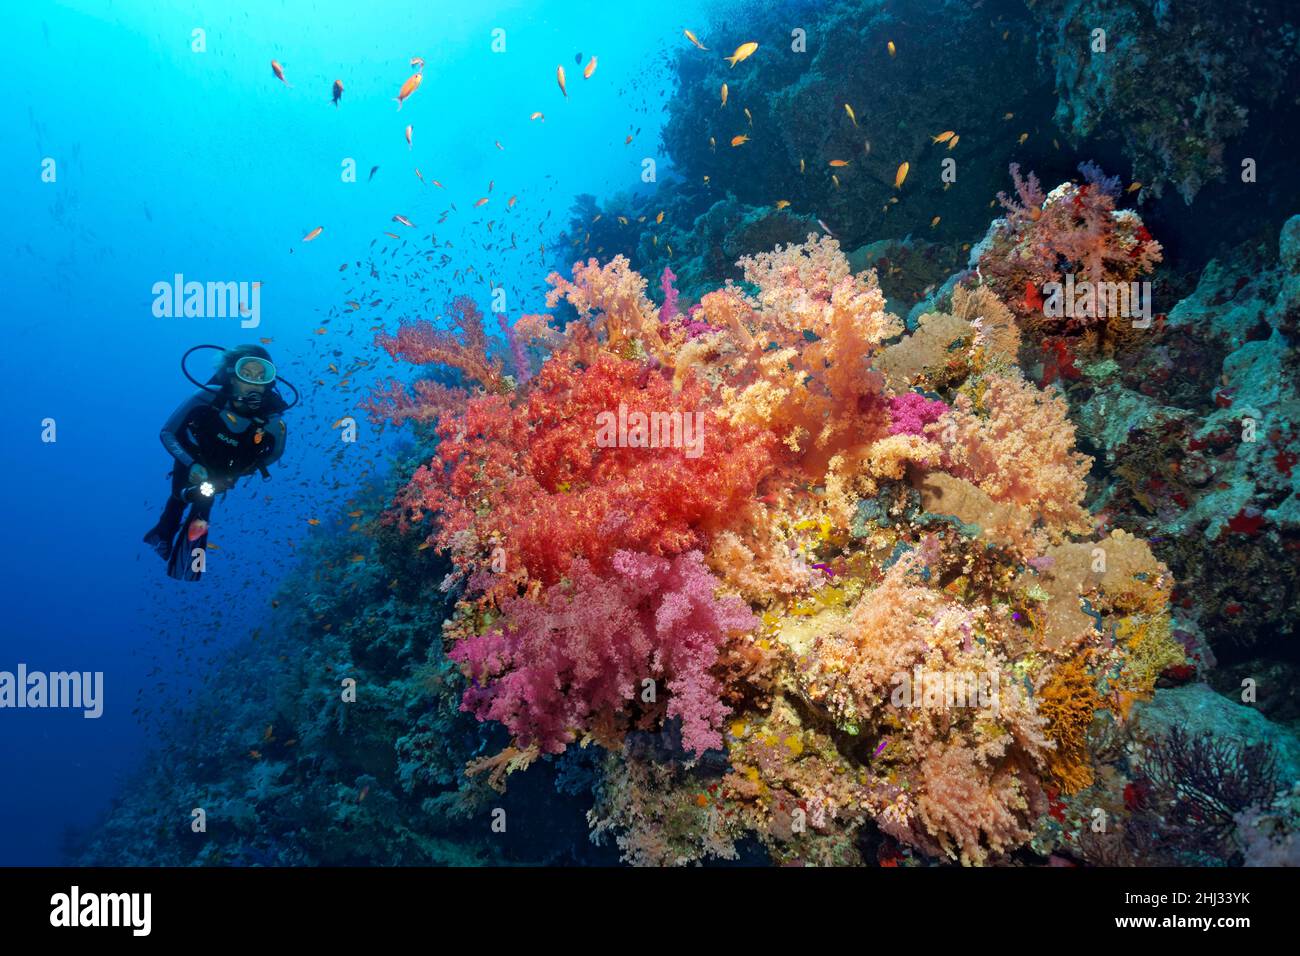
(230, 428)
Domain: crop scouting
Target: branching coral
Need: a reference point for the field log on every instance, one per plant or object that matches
(910, 556)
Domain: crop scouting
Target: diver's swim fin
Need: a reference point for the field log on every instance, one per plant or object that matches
(189, 553)
(162, 545)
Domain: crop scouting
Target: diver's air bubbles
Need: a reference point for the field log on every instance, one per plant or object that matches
(49, 431)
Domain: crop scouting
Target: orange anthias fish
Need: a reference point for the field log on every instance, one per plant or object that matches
(739, 140)
(408, 137)
(691, 36)
(278, 70)
(943, 137)
(198, 528)
(538, 116)
(410, 86)
(481, 202)
(743, 52)
(901, 174)
(559, 78)
(839, 162)
(589, 69)
(338, 91)
(313, 234)
(404, 221)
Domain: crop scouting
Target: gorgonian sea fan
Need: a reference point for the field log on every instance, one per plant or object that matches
(574, 660)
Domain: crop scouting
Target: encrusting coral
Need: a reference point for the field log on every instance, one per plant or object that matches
(840, 606)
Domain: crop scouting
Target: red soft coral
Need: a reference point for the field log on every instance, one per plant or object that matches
(532, 475)
(421, 343)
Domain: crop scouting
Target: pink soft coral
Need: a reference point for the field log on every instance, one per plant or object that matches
(575, 660)
(910, 412)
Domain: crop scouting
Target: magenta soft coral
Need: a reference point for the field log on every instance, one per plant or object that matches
(910, 412)
(575, 660)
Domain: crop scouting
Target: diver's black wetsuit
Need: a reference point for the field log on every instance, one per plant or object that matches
(207, 430)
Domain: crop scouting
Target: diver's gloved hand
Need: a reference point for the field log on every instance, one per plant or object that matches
(198, 474)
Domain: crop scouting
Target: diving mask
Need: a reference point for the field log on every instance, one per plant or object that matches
(254, 370)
